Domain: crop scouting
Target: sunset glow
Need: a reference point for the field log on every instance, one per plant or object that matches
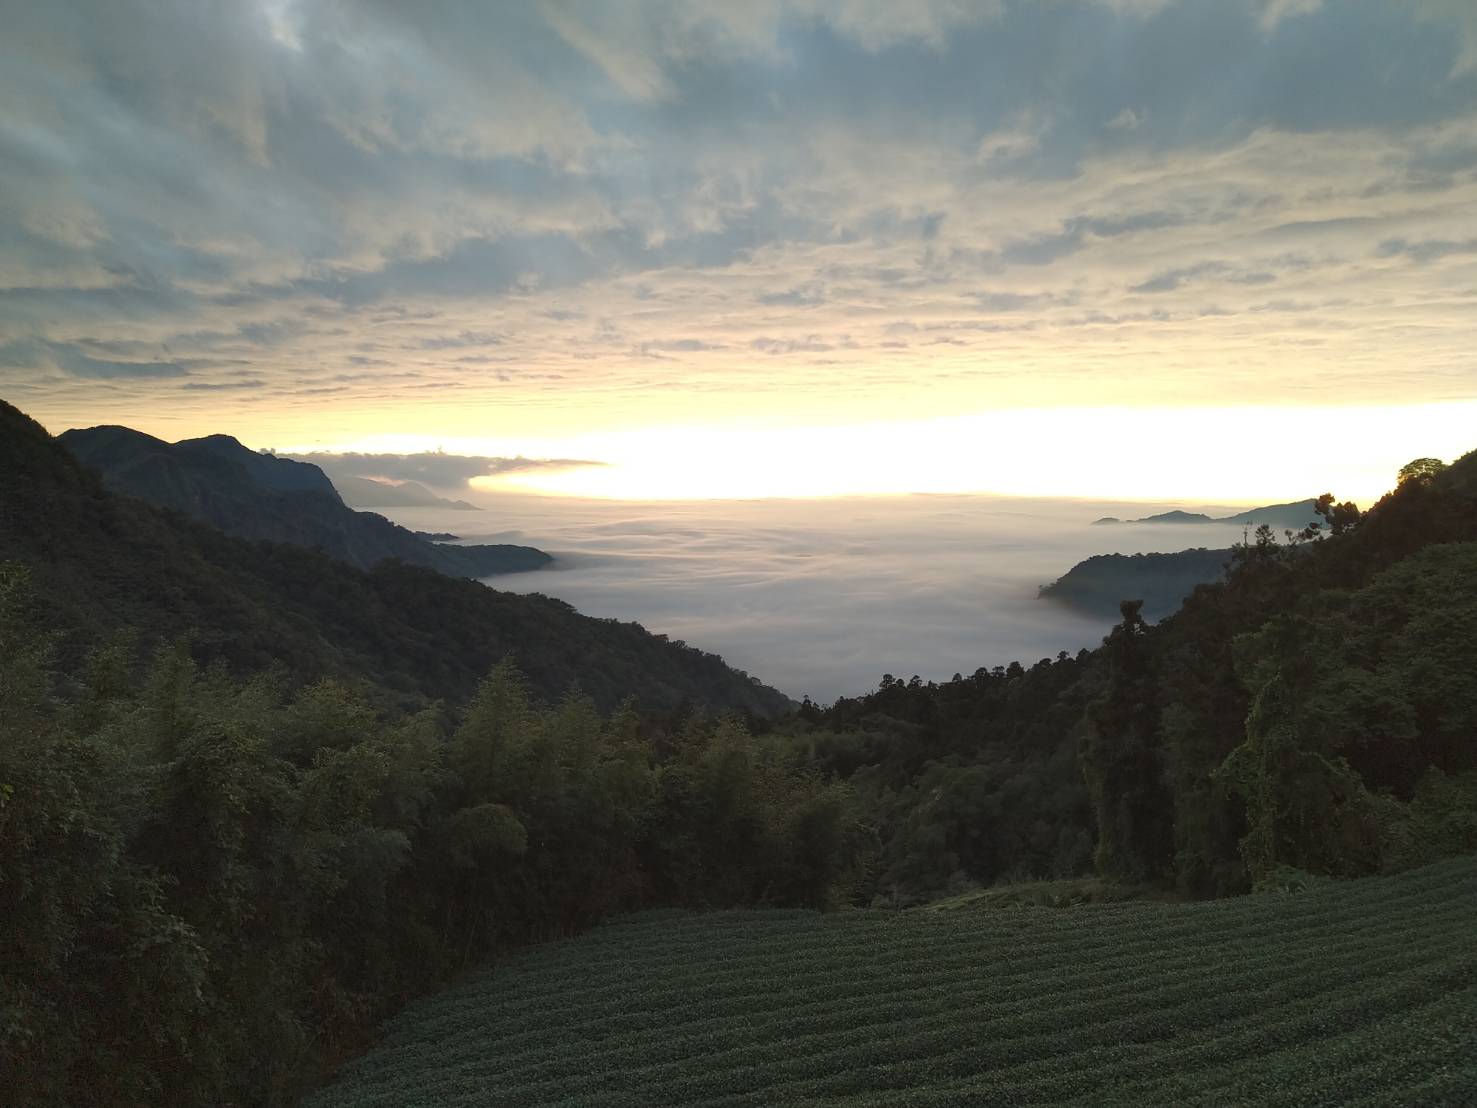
(1220, 455)
(759, 250)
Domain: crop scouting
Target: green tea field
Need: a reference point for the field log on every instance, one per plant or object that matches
(1356, 993)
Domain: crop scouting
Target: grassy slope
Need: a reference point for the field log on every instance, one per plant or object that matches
(1348, 993)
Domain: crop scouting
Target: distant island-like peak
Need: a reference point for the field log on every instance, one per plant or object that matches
(1295, 515)
(370, 492)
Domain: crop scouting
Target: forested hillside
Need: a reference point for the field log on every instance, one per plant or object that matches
(1096, 585)
(1315, 710)
(212, 887)
(100, 561)
(259, 496)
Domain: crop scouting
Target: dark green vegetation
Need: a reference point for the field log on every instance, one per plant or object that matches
(1358, 993)
(1097, 585)
(401, 633)
(1317, 708)
(210, 887)
(1291, 517)
(259, 496)
(224, 857)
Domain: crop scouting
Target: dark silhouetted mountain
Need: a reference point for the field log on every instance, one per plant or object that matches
(100, 561)
(1162, 581)
(364, 492)
(1294, 517)
(1176, 516)
(267, 470)
(260, 496)
(1291, 517)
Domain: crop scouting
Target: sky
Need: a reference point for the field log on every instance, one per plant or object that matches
(1203, 249)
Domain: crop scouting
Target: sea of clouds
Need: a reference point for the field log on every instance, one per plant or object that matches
(820, 598)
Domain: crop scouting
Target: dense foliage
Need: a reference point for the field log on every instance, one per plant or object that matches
(970, 781)
(208, 886)
(1316, 709)
(1098, 584)
(1344, 993)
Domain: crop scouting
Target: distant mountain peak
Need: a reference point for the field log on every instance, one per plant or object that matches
(219, 481)
(1294, 515)
(1177, 515)
(374, 492)
(224, 441)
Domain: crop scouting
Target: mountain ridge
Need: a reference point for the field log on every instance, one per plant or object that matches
(366, 492)
(100, 561)
(252, 495)
(1294, 515)
(1095, 586)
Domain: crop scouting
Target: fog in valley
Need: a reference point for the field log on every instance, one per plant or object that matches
(820, 598)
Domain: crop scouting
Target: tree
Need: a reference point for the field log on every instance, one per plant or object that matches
(1422, 469)
(1305, 805)
(1120, 761)
(1340, 518)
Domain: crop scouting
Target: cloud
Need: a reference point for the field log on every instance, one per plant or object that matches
(1274, 12)
(1007, 301)
(443, 471)
(461, 339)
(820, 598)
(71, 359)
(679, 346)
(219, 386)
(1173, 279)
(799, 296)
(809, 344)
(675, 211)
(1450, 16)
(1427, 250)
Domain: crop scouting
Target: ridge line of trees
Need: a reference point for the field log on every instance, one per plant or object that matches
(213, 886)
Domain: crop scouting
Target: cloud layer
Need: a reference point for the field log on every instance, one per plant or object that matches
(304, 222)
(437, 469)
(822, 598)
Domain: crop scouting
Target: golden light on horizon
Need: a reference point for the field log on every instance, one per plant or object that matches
(1200, 455)
(780, 250)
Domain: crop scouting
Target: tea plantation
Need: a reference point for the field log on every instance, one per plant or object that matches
(1354, 993)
